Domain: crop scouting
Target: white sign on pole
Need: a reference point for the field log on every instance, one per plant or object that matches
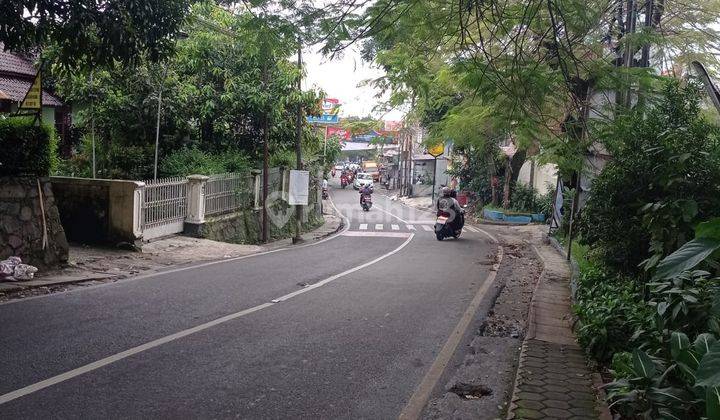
(299, 188)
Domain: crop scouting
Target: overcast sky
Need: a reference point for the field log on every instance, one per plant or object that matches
(339, 79)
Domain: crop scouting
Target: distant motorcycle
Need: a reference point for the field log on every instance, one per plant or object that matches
(366, 201)
(343, 181)
(325, 193)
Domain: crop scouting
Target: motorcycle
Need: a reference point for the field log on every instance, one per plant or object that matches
(343, 181)
(444, 228)
(325, 193)
(366, 201)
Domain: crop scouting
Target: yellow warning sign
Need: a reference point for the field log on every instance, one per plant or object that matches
(436, 150)
(33, 98)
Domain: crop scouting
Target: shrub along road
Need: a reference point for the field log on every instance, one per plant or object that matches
(347, 327)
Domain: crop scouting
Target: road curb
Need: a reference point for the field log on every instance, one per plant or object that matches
(14, 287)
(421, 395)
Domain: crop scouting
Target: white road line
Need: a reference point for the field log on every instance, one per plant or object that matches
(420, 397)
(346, 226)
(344, 273)
(492, 238)
(392, 215)
(395, 227)
(379, 226)
(164, 340)
(363, 226)
(378, 234)
(411, 227)
(471, 229)
(427, 228)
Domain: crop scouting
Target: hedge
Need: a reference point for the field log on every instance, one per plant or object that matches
(26, 149)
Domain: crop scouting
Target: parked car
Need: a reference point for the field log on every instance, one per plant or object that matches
(362, 179)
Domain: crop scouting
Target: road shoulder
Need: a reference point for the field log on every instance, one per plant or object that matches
(91, 266)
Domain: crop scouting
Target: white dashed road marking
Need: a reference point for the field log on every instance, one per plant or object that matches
(378, 234)
(379, 226)
(363, 226)
(184, 333)
(395, 227)
(411, 227)
(427, 228)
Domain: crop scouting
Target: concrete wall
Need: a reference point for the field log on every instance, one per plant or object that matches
(424, 169)
(21, 222)
(98, 210)
(545, 176)
(245, 225)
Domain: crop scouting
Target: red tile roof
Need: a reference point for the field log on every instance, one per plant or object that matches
(16, 76)
(17, 88)
(12, 63)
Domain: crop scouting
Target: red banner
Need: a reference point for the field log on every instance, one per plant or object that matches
(339, 132)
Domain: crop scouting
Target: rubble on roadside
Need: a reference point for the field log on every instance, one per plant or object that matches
(13, 269)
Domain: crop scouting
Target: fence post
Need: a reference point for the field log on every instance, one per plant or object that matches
(137, 211)
(256, 188)
(196, 199)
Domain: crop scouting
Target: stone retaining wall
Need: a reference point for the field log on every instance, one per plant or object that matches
(244, 227)
(21, 222)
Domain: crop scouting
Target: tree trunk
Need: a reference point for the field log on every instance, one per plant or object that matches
(492, 172)
(506, 188)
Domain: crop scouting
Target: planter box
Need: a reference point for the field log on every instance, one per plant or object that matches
(538, 217)
(514, 217)
(517, 218)
(493, 214)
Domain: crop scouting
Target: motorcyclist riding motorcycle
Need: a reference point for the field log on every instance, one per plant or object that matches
(449, 205)
(365, 190)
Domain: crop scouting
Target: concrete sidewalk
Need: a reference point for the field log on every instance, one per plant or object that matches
(553, 379)
(91, 265)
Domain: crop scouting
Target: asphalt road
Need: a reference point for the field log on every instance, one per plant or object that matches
(344, 328)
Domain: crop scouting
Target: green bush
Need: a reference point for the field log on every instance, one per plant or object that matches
(27, 149)
(610, 310)
(668, 367)
(526, 199)
(195, 161)
(664, 177)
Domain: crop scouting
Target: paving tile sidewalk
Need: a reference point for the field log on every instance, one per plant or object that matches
(553, 380)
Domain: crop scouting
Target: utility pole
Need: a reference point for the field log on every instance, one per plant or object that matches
(298, 142)
(266, 140)
(157, 126)
(92, 124)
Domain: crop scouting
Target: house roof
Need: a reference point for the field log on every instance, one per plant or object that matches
(15, 90)
(11, 63)
(16, 76)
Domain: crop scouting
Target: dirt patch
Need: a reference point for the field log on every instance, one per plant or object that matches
(481, 386)
(521, 271)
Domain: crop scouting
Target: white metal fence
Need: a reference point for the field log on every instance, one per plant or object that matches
(164, 206)
(225, 193)
(167, 203)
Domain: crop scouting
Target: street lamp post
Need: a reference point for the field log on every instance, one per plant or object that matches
(157, 128)
(180, 35)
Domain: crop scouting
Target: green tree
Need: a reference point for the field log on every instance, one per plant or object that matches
(214, 97)
(92, 33)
